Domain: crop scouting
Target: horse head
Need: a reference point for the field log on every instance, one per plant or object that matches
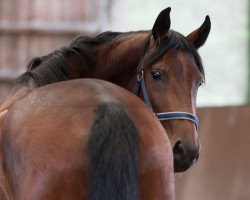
(173, 72)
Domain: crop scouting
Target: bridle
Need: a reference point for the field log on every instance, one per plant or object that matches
(140, 85)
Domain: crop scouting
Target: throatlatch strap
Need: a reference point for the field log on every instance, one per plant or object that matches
(141, 85)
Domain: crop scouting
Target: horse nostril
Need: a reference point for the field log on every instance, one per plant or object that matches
(178, 150)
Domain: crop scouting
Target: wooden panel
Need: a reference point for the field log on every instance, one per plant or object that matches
(57, 16)
(17, 51)
(30, 28)
(48, 10)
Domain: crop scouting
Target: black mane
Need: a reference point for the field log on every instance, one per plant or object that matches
(53, 67)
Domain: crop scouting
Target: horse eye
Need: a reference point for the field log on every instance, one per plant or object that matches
(156, 75)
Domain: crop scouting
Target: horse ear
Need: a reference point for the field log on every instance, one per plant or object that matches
(161, 25)
(199, 36)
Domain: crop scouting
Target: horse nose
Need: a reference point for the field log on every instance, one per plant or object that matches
(184, 157)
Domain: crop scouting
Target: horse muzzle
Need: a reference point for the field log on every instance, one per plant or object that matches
(184, 157)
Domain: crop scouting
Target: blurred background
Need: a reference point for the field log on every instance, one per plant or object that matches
(30, 28)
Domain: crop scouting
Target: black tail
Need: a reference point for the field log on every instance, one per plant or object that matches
(113, 151)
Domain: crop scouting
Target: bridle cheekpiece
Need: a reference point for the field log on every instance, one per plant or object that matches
(141, 86)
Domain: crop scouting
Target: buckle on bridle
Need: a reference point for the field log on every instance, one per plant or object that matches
(140, 75)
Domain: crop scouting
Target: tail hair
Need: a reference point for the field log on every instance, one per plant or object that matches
(113, 153)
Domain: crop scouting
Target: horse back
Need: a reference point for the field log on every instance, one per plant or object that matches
(47, 134)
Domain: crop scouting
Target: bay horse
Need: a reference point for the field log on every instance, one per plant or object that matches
(84, 139)
(162, 65)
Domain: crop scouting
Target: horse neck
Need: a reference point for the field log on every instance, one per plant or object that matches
(118, 61)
